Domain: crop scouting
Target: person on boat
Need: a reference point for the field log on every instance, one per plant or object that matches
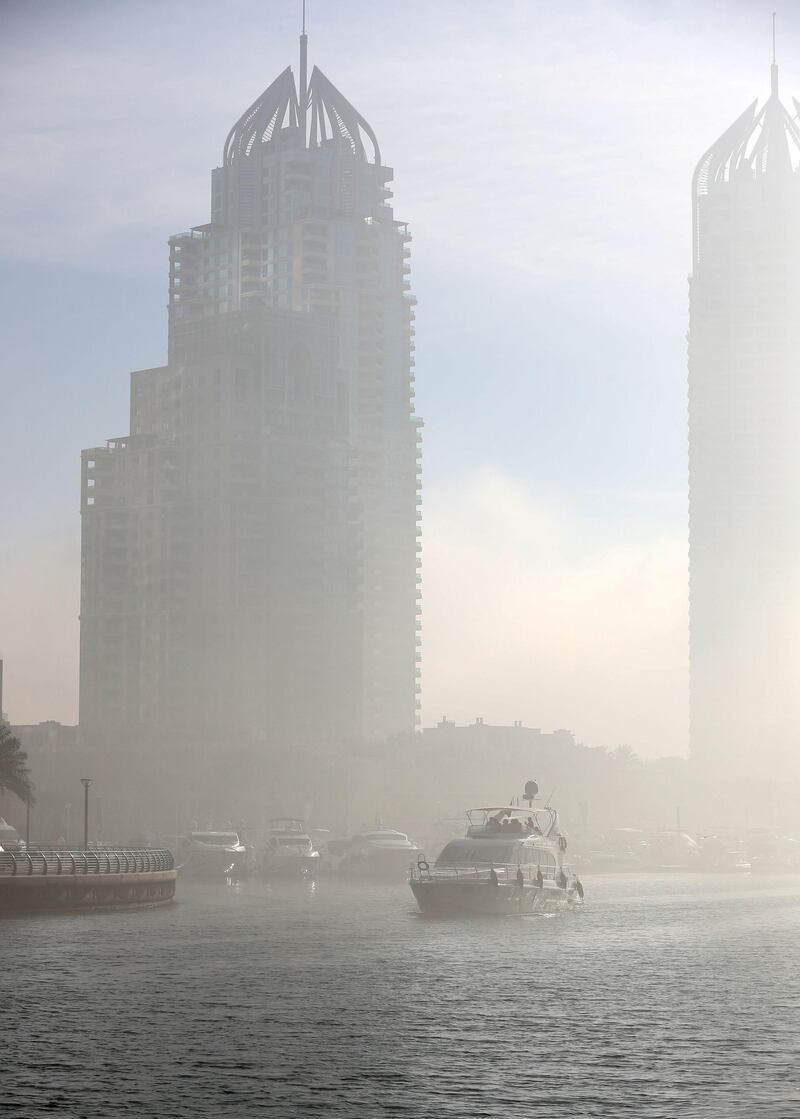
(562, 879)
(520, 878)
(493, 877)
(539, 877)
(579, 888)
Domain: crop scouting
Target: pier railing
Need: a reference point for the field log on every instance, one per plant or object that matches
(95, 860)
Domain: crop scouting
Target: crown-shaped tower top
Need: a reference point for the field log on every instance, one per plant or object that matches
(316, 115)
(759, 143)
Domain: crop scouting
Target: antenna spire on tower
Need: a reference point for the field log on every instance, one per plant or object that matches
(303, 77)
(774, 67)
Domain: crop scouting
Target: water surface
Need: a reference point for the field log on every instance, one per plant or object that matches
(666, 996)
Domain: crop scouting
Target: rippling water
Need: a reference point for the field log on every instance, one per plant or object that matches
(666, 996)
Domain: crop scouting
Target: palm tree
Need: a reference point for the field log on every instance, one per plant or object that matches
(14, 773)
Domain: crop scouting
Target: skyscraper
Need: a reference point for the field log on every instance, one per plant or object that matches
(250, 552)
(744, 442)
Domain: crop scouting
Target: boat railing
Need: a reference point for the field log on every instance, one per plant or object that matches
(94, 860)
(506, 872)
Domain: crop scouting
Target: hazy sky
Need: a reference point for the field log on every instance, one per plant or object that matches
(543, 154)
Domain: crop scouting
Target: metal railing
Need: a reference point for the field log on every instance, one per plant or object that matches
(506, 872)
(95, 860)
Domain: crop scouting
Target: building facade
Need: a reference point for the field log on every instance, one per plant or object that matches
(251, 550)
(744, 443)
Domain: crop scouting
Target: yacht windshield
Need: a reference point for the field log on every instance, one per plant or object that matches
(460, 852)
(221, 839)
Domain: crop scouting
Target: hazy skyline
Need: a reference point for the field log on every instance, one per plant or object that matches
(546, 180)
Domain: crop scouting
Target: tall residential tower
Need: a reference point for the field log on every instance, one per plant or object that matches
(744, 443)
(251, 550)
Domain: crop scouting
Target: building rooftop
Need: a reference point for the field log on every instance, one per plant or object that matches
(319, 115)
(765, 142)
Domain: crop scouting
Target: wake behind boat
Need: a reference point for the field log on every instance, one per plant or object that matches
(510, 861)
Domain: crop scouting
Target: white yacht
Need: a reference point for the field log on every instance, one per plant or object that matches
(289, 851)
(213, 854)
(383, 854)
(9, 837)
(510, 861)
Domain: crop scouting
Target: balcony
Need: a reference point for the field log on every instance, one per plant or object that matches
(197, 233)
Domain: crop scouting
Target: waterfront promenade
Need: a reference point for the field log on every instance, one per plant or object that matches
(59, 878)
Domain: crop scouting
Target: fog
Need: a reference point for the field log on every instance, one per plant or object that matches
(391, 534)
(590, 332)
(551, 241)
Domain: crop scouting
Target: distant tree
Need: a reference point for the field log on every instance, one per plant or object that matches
(14, 773)
(625, 756)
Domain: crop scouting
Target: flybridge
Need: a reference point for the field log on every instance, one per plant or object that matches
(502, 820)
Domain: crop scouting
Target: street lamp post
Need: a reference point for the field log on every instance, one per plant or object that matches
(86, 782)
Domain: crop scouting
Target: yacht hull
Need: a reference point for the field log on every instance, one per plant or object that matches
(292, 866)
(379, 865)
(482, 899)
(213, 866)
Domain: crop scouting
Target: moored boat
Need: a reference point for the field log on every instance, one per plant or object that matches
(289, 851)
(213, 855)
(382, 854)
(510, 862)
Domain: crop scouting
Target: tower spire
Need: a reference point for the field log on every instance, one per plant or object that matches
(303, 77)
(773, 68)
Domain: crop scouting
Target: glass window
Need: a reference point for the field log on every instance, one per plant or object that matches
(223, 839)
(466, 853)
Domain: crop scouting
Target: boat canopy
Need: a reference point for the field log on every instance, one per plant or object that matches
(509, 809)
(286, 823)
(536, 821)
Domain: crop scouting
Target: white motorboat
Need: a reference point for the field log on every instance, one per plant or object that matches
(510, 862)
(9, 837)
(289, 851)
(213, 854)
(382, 854)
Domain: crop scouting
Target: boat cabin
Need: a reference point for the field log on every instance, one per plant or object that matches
(288, 832)
(386, 837)
(470, 852)
(216, 838)
(286, 825)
